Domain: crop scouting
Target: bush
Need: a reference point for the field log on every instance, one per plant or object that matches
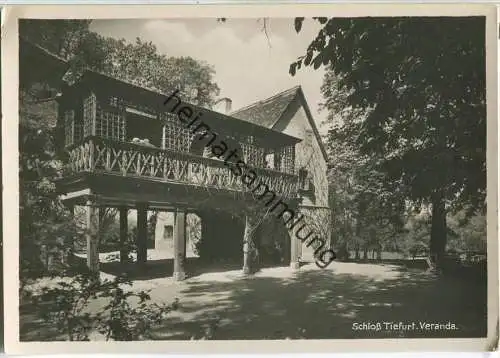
(66, 304)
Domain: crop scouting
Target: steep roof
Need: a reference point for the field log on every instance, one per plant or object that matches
(33, 57)
(267, 112)
(103, 82)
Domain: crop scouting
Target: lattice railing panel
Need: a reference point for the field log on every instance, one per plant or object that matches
(99, 155)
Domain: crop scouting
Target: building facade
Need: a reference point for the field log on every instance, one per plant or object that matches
(127, 148)
(289, 113)
(286, 112)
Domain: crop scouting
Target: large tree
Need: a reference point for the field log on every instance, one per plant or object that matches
(138, 62)
(367, 215)
(141, 63)
(420, 83)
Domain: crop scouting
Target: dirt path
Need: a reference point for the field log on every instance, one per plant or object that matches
(278, 303)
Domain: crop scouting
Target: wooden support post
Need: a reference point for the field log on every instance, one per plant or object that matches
(123, 234)
(71, 208)
(249, 236)
(205, 230)
(277, 231)
(180, 245)
(142, 233)
(295, 251)
(69, 242)
(300, 248)
(92, 234)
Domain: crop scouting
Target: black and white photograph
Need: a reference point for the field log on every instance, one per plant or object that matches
(235, 178)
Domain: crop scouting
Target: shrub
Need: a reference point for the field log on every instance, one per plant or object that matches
(66, 304)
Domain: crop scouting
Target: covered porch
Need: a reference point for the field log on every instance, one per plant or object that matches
(233, 231)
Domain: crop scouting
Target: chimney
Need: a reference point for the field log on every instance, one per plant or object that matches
(223, 105)
(228, 104)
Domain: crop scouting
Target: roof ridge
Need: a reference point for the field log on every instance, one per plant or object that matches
(314, 126)
(262, 101)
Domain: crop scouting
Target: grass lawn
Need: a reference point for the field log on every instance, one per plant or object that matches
(277, 303)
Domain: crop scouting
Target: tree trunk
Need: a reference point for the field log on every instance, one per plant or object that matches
(365, 254)
(438, 230)
(343, 252)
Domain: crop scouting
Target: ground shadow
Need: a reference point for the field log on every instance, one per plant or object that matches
(162, 268)
(154, 269)
(310, 304)
(318, 304)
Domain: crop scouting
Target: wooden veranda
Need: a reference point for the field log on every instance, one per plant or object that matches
(125, 149)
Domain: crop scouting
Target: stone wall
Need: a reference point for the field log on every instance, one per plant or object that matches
(164, 231)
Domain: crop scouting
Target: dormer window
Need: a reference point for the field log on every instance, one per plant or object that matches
(308, 135)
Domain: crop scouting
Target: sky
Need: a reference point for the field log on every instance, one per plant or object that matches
(248, 65)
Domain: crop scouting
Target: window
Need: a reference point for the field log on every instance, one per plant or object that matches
(175, 136)
(110, 125)
(305, 180)
(168, 232)
(77, 131)
(89, 115)
(302, 178)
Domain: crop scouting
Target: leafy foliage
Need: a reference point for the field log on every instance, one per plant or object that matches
(368, 211)
(138, 62)
(45, 223)
(127, 315)
(142, 64)
(425, 99)
(64, 303)
(415, 107)
(123, 321)
(366, 215)
(469, 232)
(61, 37)
(415, 240)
